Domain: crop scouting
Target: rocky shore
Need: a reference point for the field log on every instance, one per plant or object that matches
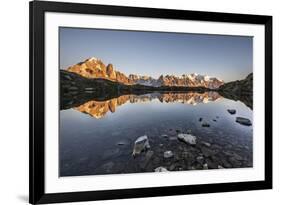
(177, 150)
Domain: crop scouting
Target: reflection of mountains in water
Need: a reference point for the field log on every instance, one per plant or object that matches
(98, 109)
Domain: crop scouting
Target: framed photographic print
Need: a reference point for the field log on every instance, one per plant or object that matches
(140, 102)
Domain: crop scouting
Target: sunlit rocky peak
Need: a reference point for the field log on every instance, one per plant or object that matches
(95, 68)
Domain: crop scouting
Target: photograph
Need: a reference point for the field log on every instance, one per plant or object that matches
(133, 101)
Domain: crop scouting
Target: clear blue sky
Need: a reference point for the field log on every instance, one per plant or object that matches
(155, 53)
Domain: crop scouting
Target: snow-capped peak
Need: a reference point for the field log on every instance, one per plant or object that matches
(206, 78)
(92, 59)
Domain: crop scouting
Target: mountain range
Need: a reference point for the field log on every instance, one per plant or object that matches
(95, 68)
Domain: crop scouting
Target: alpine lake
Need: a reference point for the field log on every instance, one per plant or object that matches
(158, 131)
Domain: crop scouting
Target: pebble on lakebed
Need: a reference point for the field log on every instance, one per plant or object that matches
(243, 121)
(187, 138)
(205, 124)
(207, 144)
(168, 154)
(160, 169)
(231, 111)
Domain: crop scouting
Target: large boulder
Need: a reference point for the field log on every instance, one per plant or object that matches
(141, 144)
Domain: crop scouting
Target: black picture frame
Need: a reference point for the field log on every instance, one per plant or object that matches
(37, 9)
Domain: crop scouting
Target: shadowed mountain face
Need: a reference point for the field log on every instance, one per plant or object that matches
(99, 109)
(239, 87)
(95, 68)
(241, 90)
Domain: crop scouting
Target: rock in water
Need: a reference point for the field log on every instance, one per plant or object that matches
(123, 142)
(168, 154)
(243, 121)
(205, 166)
(146, 160)
(200, 159)
(207, 144)
(188, 131)
(187, 138)
(208, 152)
(141, 144)
(205, 124)
(160, 169)
(231, 111)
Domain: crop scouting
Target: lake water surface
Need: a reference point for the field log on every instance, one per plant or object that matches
(98, 137)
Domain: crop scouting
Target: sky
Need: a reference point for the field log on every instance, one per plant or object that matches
(155, 53)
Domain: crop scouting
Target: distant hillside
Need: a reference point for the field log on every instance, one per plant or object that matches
(244, 86)
(241, 90)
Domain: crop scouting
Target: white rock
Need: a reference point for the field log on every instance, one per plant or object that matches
(188, 138)
(207, 144)
(160, 169)
(168, 154)
(205, 166)
(141, 144)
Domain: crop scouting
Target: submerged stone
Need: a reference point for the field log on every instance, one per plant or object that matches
(243, 121)
(207, 152)
(168, 154)
(207, 144)
(146, 160)
(234, 162)
(200, 159)
(205, 166)
(231, 111)
(205, 124)
(187, 138)
(123, 142)
(160, 169)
